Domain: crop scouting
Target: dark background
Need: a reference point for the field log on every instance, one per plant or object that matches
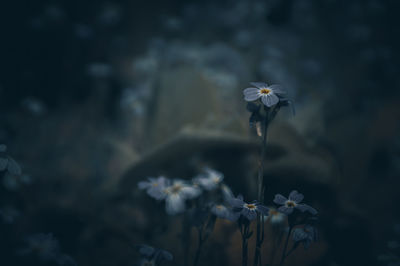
(91, 92)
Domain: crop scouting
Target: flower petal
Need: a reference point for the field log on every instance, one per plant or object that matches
(277, 89)
(144, 185)
(174, 204)
(305, 207)
(190, 192)
(270, 99)
(296, 196)
(260, 85)
(279, 199)
(285, 210)
(249, 214)
(251, 94)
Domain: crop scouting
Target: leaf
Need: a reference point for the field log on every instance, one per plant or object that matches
(3, 164)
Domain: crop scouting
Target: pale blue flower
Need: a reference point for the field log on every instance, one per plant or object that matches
(210, 180)
(176, 195)
(248, 210)
(293, 202)
(155, 187)
(305, 235)
(269, 94)
(224, 212)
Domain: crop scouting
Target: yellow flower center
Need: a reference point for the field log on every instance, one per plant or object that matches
(290, 204)
(265, 91)
(176, 188)
(155, 184)
(251, 206)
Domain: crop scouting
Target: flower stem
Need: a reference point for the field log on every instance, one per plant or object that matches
(200, 245)
(245, 236)
(260, 218)
(286, 245)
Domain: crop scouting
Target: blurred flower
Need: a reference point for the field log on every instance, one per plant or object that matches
(155, 187)
(99, 70)
(248, 210)
(45, 246)
(275, 217)
(227, 193)
(292, 203)
(153, 256)
(305, 235)
(34, 106)
(269, 94)
(210, 180)
(224, 212)
(177, 193)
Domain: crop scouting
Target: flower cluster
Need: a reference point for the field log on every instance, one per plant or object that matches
(46, 248)
(176, 192)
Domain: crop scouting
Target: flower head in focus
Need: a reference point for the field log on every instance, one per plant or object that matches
(247, 210)
(293, 202)
(269, 95)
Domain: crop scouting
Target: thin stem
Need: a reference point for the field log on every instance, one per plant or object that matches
(200, 245)
(286, 245)
(245, 233)
(185, 241)
(261, 189)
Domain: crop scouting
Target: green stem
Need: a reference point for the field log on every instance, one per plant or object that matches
(200, 245)
(286, 245)
(260, 231)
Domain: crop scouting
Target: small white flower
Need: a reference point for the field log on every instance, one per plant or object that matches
(275, 217)
(269, 94)
(210, 180)
(177, 193)
(155, 187)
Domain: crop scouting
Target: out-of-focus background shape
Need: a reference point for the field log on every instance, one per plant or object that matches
(95, 96)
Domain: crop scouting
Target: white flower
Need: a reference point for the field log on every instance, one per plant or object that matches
(177, 193)
(269, 94)
(155, 187)
(210, 180)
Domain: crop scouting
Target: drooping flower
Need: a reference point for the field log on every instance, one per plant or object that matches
(210, 180)
(269, 94)
(153, 256)
(293, 202)
(224, 212)
(305, 235)
(176, 195)
(155, 187)
(248, 210)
